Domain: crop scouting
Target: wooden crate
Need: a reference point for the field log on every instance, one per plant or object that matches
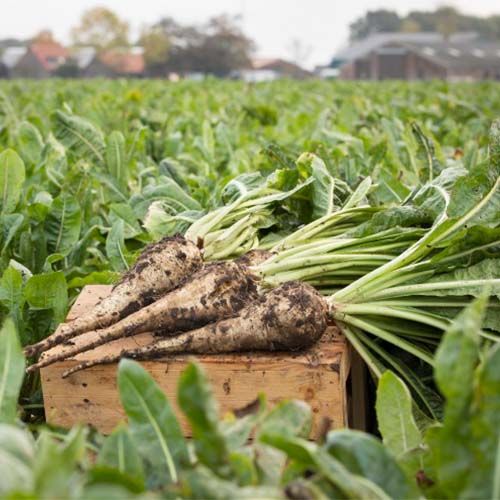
(318, 376)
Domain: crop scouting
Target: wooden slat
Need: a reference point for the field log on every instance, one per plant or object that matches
(317, 376)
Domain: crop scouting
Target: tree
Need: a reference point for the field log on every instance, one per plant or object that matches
(410, 26)
(101, 28)
(375, 21)
(218, 47)
(225, 48)
(44, 36)
(156, 44)
(446, 21)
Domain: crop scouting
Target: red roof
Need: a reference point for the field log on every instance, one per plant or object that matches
(127, 63)
(50, 54)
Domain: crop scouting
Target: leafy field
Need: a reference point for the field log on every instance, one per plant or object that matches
(92, 171)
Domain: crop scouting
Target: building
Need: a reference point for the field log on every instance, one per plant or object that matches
(41, 59)
(271, 69)
(9, 58)
(117, 63)
(419, 56)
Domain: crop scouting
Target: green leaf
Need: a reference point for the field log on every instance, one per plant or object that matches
(80, 136)
(119, 452)
(289, 418)
(123, 211)
(56, 463)
(11, 371)
(429, 164)
(365, 456)
(109, 491)
(10, 224)
(494, 147)
(457, 357)
(453, 443)
(203, 483)
(11, 295)
(48, 291)
(394, 414)
(17, 452)
(152, 423)
(116, 250)
(196, 400)
(208, 140)
(30, 143)
(95, 278)
(63, 224)
(351, 485)
(116, 159)
(323, 188)
(12, 175)
(483, 480)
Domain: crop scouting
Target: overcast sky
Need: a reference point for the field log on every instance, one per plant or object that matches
(320, 24)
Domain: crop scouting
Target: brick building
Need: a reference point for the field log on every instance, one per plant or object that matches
(420, 56)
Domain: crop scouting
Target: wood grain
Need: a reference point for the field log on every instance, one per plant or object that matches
(317, 376)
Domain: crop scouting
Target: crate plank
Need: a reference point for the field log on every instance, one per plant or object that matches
(317, 375)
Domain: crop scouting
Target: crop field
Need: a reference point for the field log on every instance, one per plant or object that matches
(383, 197)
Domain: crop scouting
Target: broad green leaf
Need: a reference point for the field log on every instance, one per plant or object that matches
(152, 423)
(11, 224)
(172, 197)
(95, 278)
(456, 360)
(494, 147)
(80, 136)
(394, 415)
(30, 143)
(123, 211)
(109, 491)
(116, 159)
(159, 223)
(63, 224)
(16, 460)
(483, 479)
(290, 418)
(12, 297)
(48, 291)
(359, 194)
(243, 468)
(241, 185)
(323, 188)
(56, 463)
(203, 483)
(480, 273)
(116, 250)
(365, 456)
(196, 400)
(119, 451)
(351, 485)
(12, 175)
(429, 165)
(208, 140)
(11, 371)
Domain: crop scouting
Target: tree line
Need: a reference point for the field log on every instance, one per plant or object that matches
(218, 46)
(445, 20)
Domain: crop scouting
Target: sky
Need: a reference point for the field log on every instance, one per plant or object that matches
(321, 26)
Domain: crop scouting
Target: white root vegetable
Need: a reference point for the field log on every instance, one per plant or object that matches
(160, 268)
(218, 290)
(290, 317)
